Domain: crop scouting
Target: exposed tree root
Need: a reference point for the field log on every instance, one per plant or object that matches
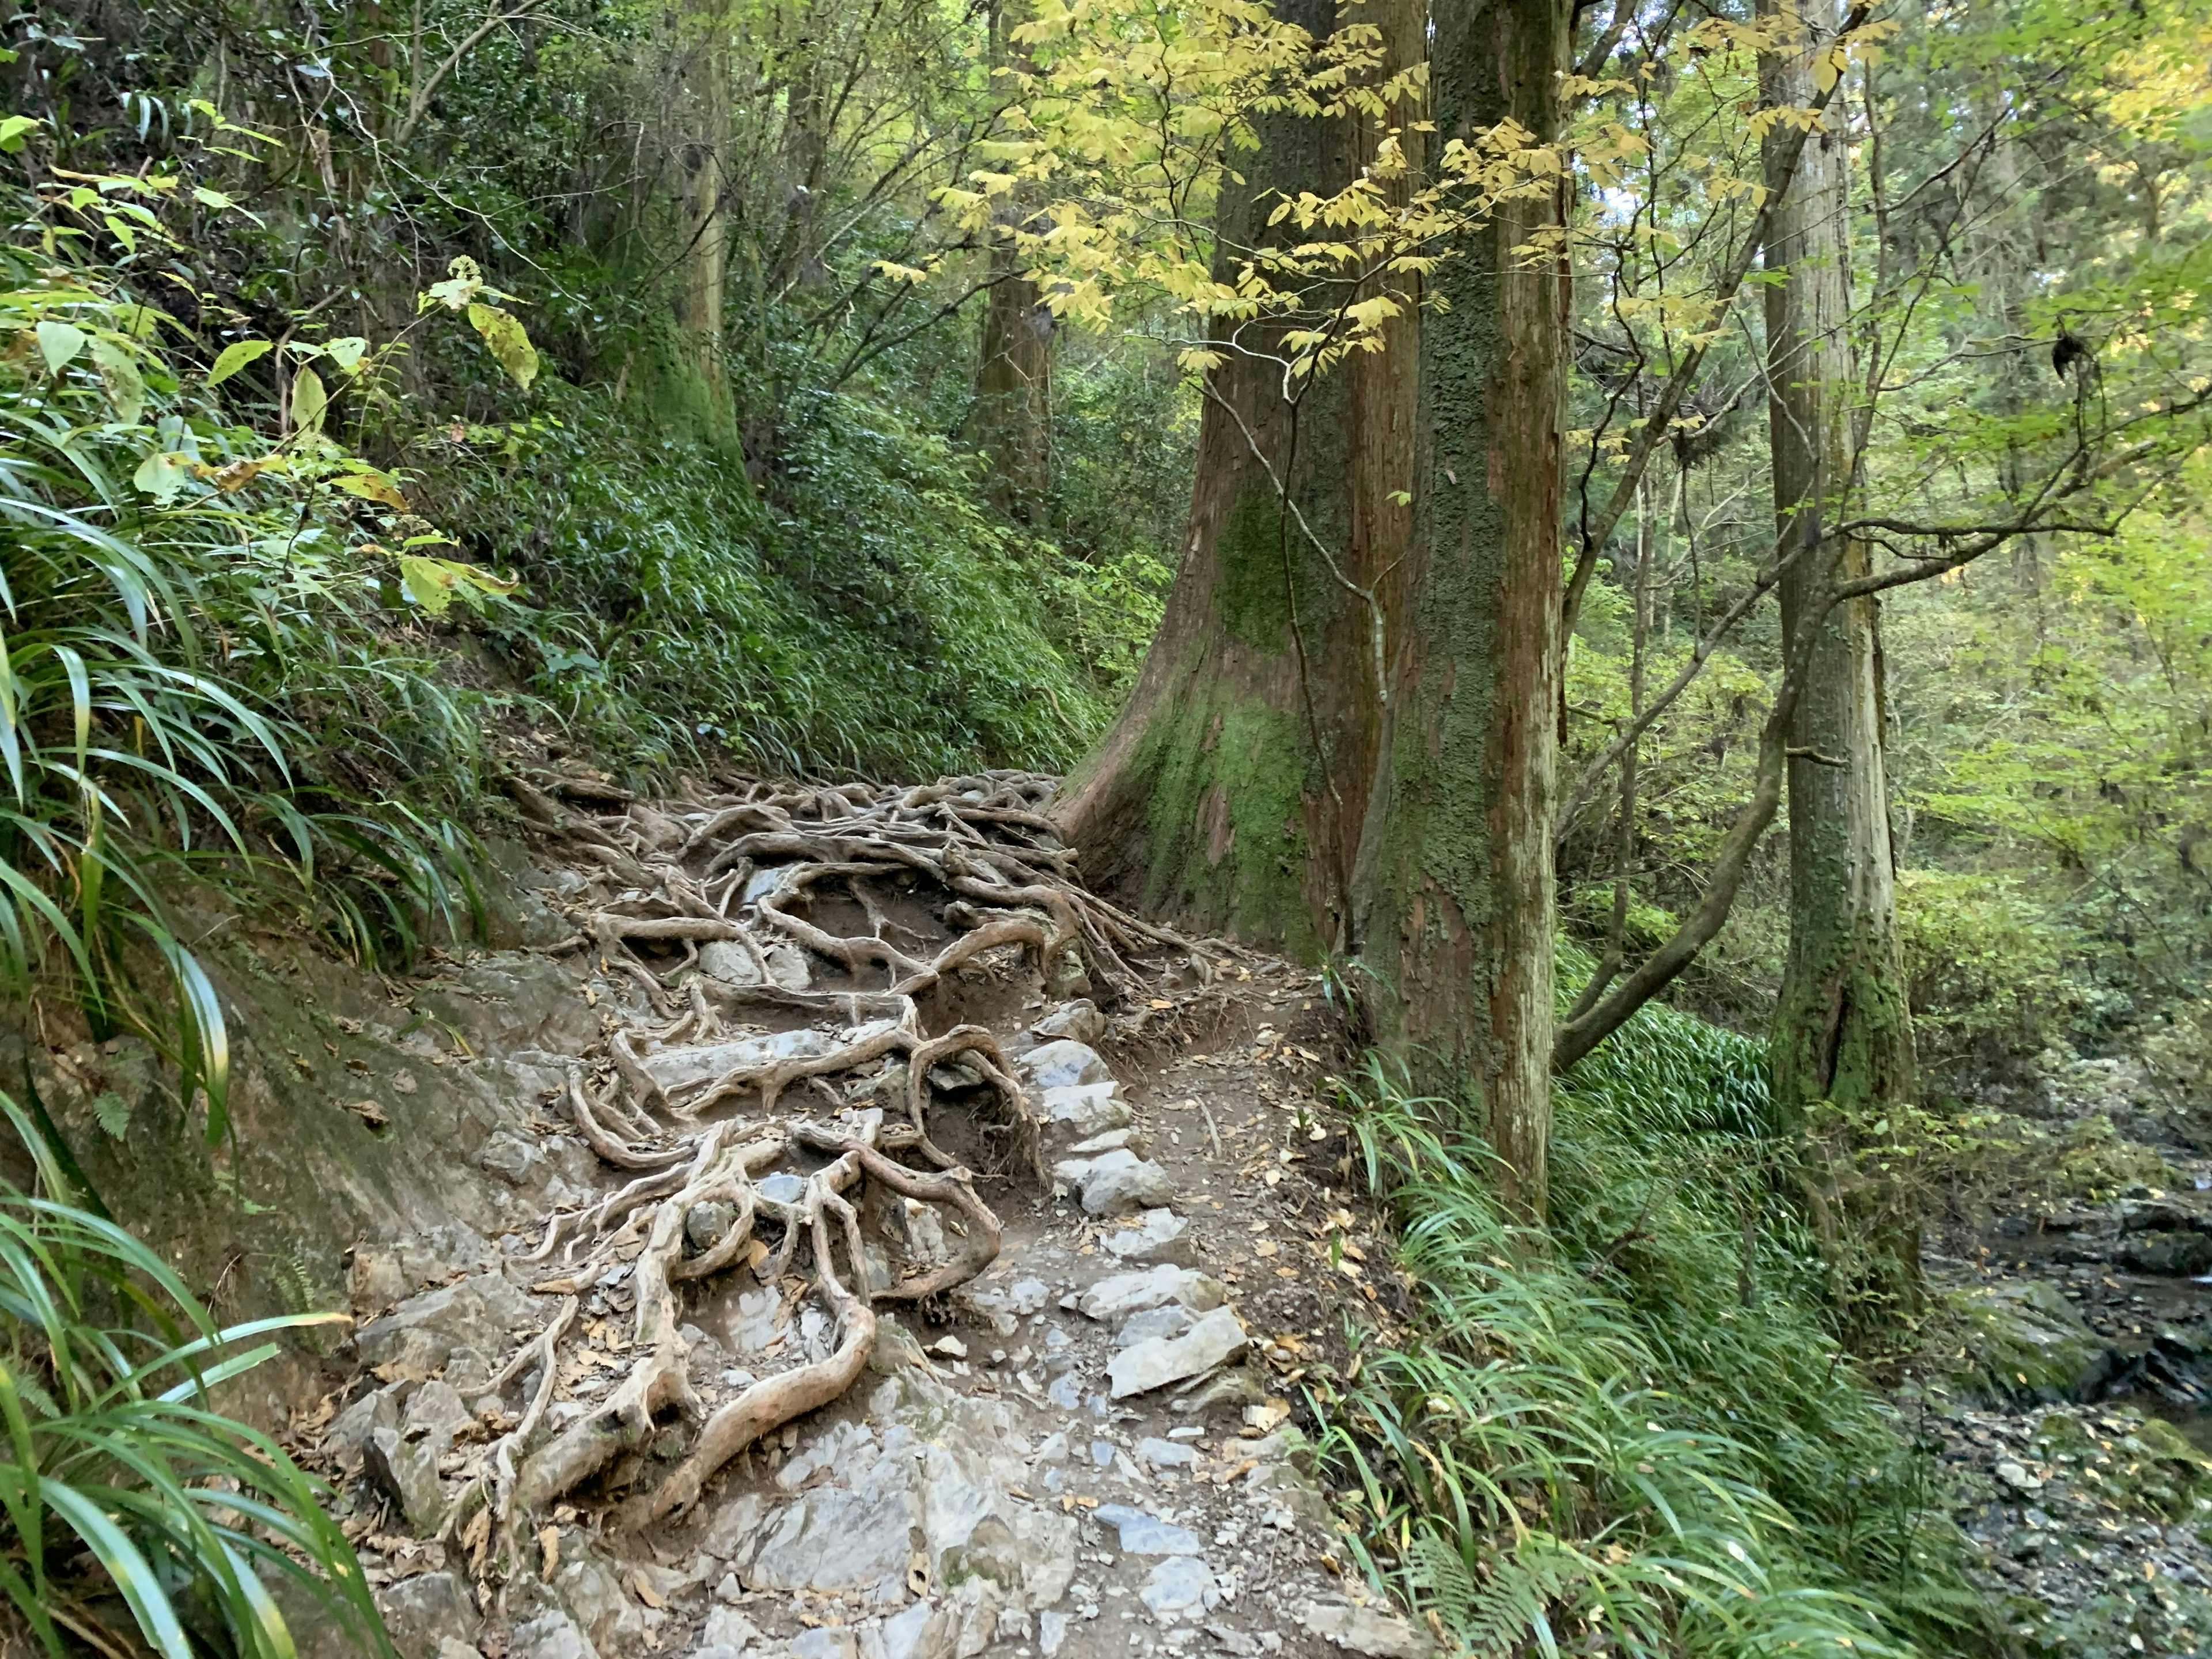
(754, 873)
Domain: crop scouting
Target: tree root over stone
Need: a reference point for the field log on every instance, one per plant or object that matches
(747, 871)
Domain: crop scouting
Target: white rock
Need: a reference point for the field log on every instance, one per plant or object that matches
(1124, 1294)
(1159, 1235)
(1217, 1337)
(1115, 1183)
(1059, 1064)
(1085, 1109)
(826, 1643)
(1166, 1454)
(1365, 1630)
(728, 1628)
(1077, 1019)
(1179, 1585)
(550, 1636)
(1052, 1631)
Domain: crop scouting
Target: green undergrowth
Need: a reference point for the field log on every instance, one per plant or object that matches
(129, 1504)
(1636, 1433)
(862, 612)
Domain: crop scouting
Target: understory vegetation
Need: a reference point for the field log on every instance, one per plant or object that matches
(580, 394)
(1638, 1433)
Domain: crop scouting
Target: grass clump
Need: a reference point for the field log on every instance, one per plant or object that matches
(1635, 1433)
(128, 1501)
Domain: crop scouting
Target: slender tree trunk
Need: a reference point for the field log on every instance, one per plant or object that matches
(1228, 794)
(705, 228)
(1841, 1031)
(1013, 380)
(1320, 772)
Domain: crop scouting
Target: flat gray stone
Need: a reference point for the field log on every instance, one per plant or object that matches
(1077, 1019)
(1179, 1585)
(1166, 1454)
(679, 1068)
(1115, 1183)
(1084, 1108)
(1058, 1064)
(1158, 1235)
(1365, 1630)
(519, 1163)
(1146, 1535)
(728, 1628)
(1218, 1336)
(549, 1635)
(406, 1471)
(1154, 1323)
(1051, 1632)
(419, 1611)
(1123, 1294)
(826, 1643)
(483, 1311)
(435, 1415)
(836, 1542)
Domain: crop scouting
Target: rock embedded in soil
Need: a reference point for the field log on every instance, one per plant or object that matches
(1217, 1338)
(1117, 1298)
(1147, 1535)
(1115, 1183)
(405, 1471)
(1079, 1020)
(1158, 1235)
(1083, 1109)
(1062, 1065)
(1366, 1631)
(419, 1335)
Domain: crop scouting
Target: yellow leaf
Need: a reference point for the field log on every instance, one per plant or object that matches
(372, 486)
(510, 345)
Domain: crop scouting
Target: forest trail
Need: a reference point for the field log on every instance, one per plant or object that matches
(751, 1363)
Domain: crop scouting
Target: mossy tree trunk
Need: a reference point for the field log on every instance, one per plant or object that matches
(1454, 878)
(1842, 1031)
(1013, 380)
(1229, 795)
(1318, 772)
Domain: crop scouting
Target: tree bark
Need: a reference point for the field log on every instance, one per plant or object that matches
(1842, 1031)
(1455, 878)
(705, 228)
(1361, 758)
(1013, 380)
(1228, 795)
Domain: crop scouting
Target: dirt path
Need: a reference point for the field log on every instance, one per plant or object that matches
(864, 1291)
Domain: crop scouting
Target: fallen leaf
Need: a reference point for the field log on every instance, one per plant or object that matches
(370, 1112)
(646, 1593)
(549, 1542)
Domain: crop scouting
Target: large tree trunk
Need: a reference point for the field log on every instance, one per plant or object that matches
(1013, 381)
(1317, 772)
(1228, 794)
(1841, 1030)
(1455, 878)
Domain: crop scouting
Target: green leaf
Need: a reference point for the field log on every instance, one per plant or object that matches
(12, 129)
(435, 584)
(509, 343)
(309, 400)
(59, 342)
(112, 1113)
(347, 352)
(162, 474)
(118, 377)
(235, 356)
